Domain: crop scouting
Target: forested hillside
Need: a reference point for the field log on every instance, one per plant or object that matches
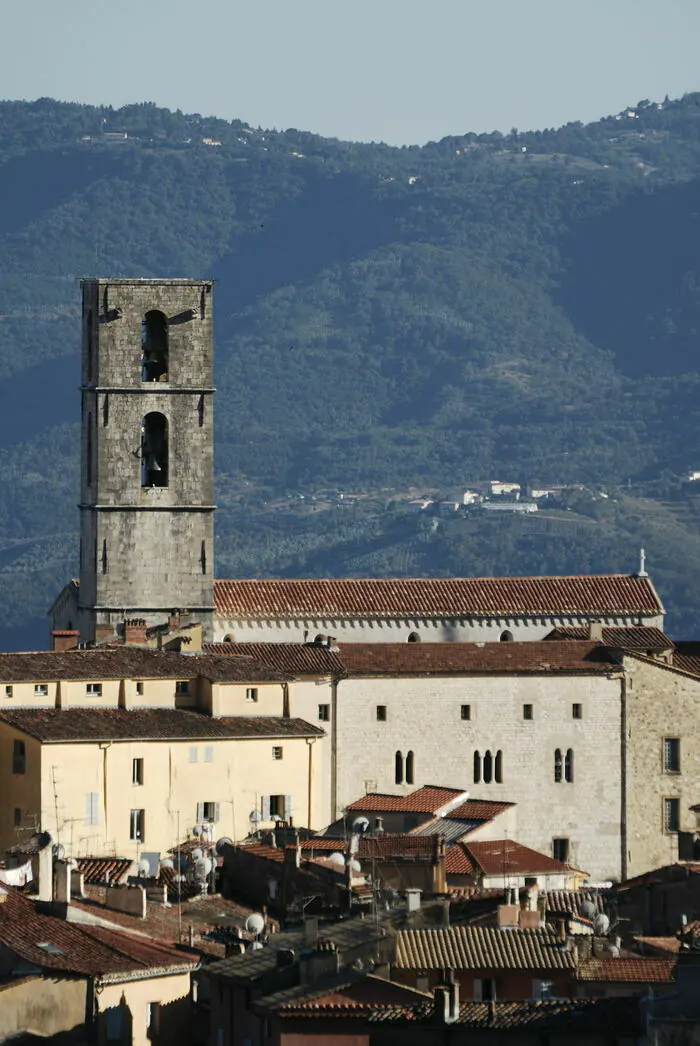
(523, 306)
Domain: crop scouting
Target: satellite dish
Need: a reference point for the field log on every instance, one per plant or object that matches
(59, 851)
(276, 818)
(197, 853)
(601, 925)
(222, 843)
(203, 868)
(255, 817)
(72, 863)
(255, 923)
(360, 824)
(144, 867)
(614, 951)
(167, 862)
(337, 859)
(197, 830)
(355, 866)
(588, 910)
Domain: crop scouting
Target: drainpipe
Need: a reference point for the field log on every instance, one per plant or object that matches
(105, 745)
(310, 776)
(623, 774)
(334, 747)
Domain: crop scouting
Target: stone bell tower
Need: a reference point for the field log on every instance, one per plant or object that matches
(146, 504)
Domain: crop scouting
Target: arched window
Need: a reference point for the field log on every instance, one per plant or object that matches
(477, 768)
(154, 450)
(569, 765)
(409, 768)
(557, 765)
(413, 637)
(498, 767)
(488, 768)
(229, 638)
(398, 768)
(506, 636)
(154, 346)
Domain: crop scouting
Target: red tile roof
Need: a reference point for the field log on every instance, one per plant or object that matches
(634, 637)
(566, 657)
(478, 810)
(292, 659)
(481, 948)
(103, 869)
(311, 598)
(52, 943)
(540, 1015)
(131, 663)
(637, 971)
(116, 724)
(501, 857)
(426, 800)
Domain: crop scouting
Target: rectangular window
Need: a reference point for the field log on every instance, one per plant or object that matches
(93, 689)
(672, 815)
(277, 751)
(381, 713)
(182, 686)
(672, 755)
(251, 693)
(276, 806)
(19, 757)
(152, 1019)
(17, 818)
(466, 712)
(208, 754)
(577, 711)
(208, 811)
(560, 849)
(137, 820)
(91, 808)
(41, 689)
(8, 691)
(137, 771)
(527, 711)
(139, 688)
(193, 754)
(324, 713)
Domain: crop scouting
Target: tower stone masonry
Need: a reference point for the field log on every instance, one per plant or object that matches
(147, 491)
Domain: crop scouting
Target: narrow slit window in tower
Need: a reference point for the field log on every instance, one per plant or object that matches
(88, 452)
(488, 767)
(154, 346)
(105, 563)
(105, 410)
(203, 557)
(200, 410)
(154, 450)
(398, 768)
(89, 340)
(409, 768)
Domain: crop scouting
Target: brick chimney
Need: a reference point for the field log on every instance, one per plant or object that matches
(135, 632)
(64, 639)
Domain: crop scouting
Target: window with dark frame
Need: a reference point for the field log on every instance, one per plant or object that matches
(577, 711)
(381, 713)
(465, 712)
(8, 691)
(398, 768)
(137, 771)
(17, 817)
(409, 768)
(672, 755)
(251, 693)
(672, 815)
(324, 713)
(139, 688)
(93, 689)
(560, 849)
(558, 766)
(182, 687)
(527, 711)
(19, 757)
(137, 821)
(41, 689)
(277, 752)
(569, 765)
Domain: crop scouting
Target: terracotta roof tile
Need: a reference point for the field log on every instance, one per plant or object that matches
(504, 857)
(544, 1014)
(572, 656)
(637, 971)
(131, 663)
(290, 658)
(479, 810)
(481, 948)
(636, 637)
(116, 724)
(304, 598)
(426, 800)
(103, 869)
(666, 945)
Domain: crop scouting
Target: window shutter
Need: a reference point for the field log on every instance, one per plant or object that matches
(200, 812)
(265, 808)
(217, 812)
(287, 807)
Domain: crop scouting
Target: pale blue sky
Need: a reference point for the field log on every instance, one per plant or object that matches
(395, 70)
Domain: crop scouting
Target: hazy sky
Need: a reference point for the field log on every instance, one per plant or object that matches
(396, 70)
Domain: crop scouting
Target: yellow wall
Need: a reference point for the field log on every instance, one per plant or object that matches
(19, 790)
(171, 991)
(240, 773)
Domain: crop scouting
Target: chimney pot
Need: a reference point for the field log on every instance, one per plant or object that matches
(64, 639)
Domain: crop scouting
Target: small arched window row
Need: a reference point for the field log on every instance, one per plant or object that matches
(155, 350)
(154, 450)
(506, 636)
(488, 768)
(413, 637)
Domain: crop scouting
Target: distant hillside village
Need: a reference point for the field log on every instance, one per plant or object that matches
(368, 811)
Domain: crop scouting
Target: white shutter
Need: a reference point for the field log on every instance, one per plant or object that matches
(217, 812)
(200, 812)
(287, 807)
(265, 808)
(91, 807)
(208, 754)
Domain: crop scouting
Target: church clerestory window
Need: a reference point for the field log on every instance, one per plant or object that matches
(154, 450)
(154, 346)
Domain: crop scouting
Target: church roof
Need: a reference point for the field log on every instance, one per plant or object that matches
(318, 598)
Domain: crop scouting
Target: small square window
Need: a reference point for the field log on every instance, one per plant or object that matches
(8, 691)
(466, 712)
(137, 771)
(93, 689)
(182, 686)
(277, 751)
(381, 713)
(560, 849)
(577, 711)
(672, 755)
(324, 713)
(41, 689)
(527, 711)
(193, 754)
(672, 815)
(251, 693)
(139, 688)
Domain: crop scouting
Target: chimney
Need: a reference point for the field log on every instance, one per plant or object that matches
(64, 639)
(45, 861)
(292, 855)
(413, 899)
(595, 631)
(446, 1003)
(135, 632)
(61, 881)
(311, 931)
(173, 621)
(379, 824)
(103, 634)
